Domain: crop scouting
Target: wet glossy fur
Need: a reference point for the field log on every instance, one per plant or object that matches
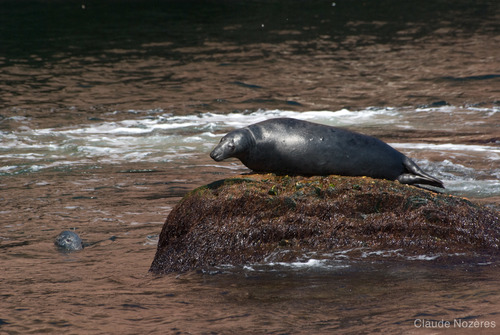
(290, 146)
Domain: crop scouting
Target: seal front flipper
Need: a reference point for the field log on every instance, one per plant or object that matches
(415, 175)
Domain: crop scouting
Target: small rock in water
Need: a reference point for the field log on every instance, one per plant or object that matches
(68, 241)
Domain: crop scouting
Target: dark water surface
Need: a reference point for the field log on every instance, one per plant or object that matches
(108, 110)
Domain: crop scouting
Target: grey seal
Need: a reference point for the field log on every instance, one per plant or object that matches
(68, 241)
(291, 146)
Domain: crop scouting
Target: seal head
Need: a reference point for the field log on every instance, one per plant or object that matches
(68, 241)
(235, 144)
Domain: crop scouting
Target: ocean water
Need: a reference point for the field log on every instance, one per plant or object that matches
(108, 113)
(156, 137)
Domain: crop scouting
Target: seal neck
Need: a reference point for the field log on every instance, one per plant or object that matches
(252, 140)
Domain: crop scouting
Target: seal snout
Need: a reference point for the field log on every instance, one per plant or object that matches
(216, 154)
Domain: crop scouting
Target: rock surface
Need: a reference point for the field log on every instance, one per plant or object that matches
(257, 217)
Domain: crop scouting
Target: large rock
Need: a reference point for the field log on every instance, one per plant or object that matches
(260, 217)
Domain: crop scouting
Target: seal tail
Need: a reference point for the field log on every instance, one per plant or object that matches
(415, 175)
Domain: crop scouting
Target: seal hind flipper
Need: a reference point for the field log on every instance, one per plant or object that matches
(416, 175)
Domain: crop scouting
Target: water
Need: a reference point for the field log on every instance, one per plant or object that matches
(159, 139)
(108, 112)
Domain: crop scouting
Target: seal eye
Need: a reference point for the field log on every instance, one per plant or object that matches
(231, 146)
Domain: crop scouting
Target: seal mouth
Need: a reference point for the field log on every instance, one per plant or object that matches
(215, 155)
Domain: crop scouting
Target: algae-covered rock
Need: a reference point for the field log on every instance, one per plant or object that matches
(247, 219)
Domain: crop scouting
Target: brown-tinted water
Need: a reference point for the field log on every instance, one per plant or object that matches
(107, 116)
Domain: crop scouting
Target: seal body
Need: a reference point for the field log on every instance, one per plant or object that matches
(291, 146)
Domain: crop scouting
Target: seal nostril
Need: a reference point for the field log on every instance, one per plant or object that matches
(214, 155)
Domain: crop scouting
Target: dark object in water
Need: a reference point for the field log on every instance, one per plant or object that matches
(69, 241)
(290, 146)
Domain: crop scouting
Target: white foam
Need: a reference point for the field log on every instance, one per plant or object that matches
(382, 253)
(449, 147)
(8, 168)
(310, 263)
(149, 138)
(423, 257)
(306, 264)
(474, 188)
